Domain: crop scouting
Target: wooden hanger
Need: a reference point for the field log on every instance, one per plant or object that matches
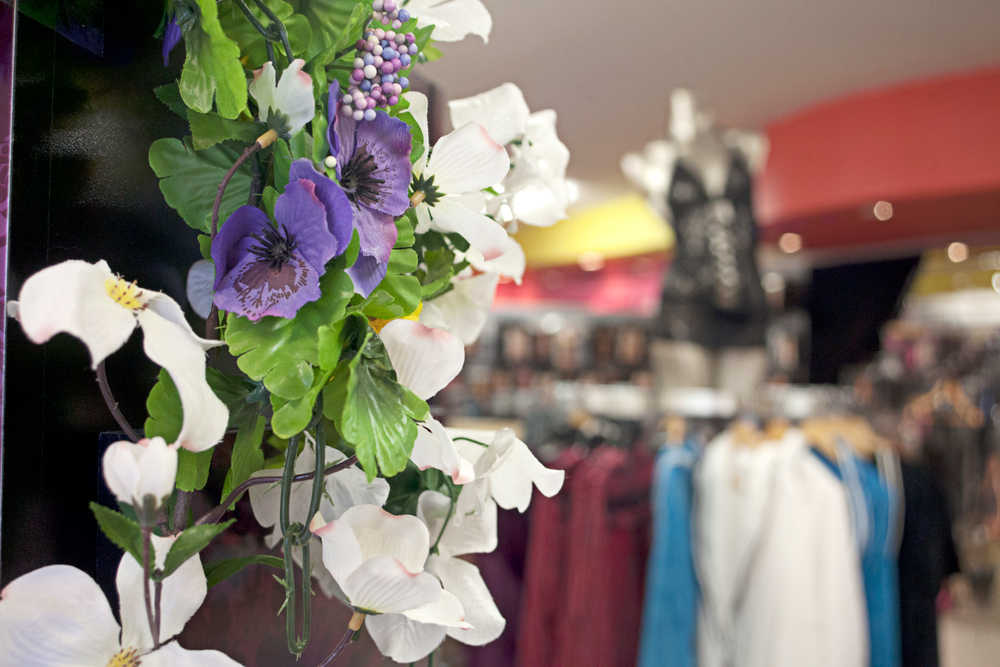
(824, 433)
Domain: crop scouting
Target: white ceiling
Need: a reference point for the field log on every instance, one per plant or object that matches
(608, 67)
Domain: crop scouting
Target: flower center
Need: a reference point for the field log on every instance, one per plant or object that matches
(423, 191)
(126, 295)
(127, 657)
(358, 178)
(275, 248)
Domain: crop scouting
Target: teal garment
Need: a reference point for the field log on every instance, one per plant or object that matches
(875, 510)
(669, 619)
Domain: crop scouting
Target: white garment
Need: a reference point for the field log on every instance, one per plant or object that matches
(778, 567)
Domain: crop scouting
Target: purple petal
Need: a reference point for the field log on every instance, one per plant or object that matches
(388, 140)
(303, 217)
(332, 107)
(366, 274)
(376, 231)
(233, 242)
(339, 215)
(340, 134)
(254, 289)
(171, 35)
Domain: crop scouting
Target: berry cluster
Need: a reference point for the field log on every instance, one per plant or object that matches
(381, 56)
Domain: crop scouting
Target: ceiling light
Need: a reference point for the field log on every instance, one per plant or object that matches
(882, 210)
(958, 252)
(790, 242)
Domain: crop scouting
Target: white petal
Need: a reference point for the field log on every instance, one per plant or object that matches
(56, 616)
(382, 584)
(423, 217)
(200, 279)
(540, 203)
(183, 356)
(453, 19)
(446, 610)
(510, 263)
(182, 596)
(70, 297)
(379, 533)
(464, 310)
(14, 310)
(294, 96)
(463, 580)
(473, 524)
(425, 359)
(403, 640)
(467, 160)
(342, 553)
(485, 235)
(471, 451)
(121, 470)
(158, 468)
(350, 487)
(418, 109)
(548, 155)
(434, 449)
(511, 469)
(173, 655)
(262, 90)
(502, 111)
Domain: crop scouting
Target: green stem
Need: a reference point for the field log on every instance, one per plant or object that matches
(430, 660)
(276, 22)
(451, 511)
(147, 547)
(286, 491)
(475, 442)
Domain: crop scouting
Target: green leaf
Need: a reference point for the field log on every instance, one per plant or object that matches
(170, 95)
(251, 42)
(208, 129)
(405, 225)
(281, 352)
(247, 457)
(399, 292)
(320, 147)
(189, 543)
(292, 417)
(212, 69)
(165, 420)
(122, 531)
(205, 245)
(282, 163)
(372, 411)
(336, 24)
(268, 198)
(221, 570)
(430, 53)
(189, 180)
(301, 145)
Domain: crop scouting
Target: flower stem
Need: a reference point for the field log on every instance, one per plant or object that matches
(276, 22)
(109, 400)
(475, 442)
(216, 513)
(294, 646)
(154, 626)
(356, 620)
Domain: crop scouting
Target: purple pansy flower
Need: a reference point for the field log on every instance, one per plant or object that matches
(373, 167)
(171, 36)
(262, 270)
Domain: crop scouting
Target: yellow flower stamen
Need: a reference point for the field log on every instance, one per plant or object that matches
(126, 295)
(377, 324)
(127, 657)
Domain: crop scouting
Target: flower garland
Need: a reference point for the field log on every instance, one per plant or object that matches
(346, 265)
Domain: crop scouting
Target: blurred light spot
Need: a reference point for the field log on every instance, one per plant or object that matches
(773, 282)
(551, 323)
(995, 281)
(790, 242)
(882, 210)
(958, 252)
(573, 190)
(590, 261)
(506, 213)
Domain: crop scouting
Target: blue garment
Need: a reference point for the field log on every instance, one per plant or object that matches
(875, 507)
(669, 619)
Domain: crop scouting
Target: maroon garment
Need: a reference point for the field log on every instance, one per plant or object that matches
(586, 562)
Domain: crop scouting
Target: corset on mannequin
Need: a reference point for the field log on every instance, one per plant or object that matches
(711, 327)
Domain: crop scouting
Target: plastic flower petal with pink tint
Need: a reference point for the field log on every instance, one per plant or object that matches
(452, 19)
(377, 559)
(134, 470)
(433, 448)
(288, 105)
(464, 309)
(58, 615)
(425, 359)
(91, 303)
(508, 469)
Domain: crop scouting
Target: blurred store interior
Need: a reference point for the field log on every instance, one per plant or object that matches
(785, 224)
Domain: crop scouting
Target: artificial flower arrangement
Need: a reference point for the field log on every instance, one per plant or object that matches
(347, 263)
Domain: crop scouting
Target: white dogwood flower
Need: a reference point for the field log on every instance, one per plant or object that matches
(91, 303)
(134, 470)
(452, 19)
(288, 105)
(57, 615)
(535, 191)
